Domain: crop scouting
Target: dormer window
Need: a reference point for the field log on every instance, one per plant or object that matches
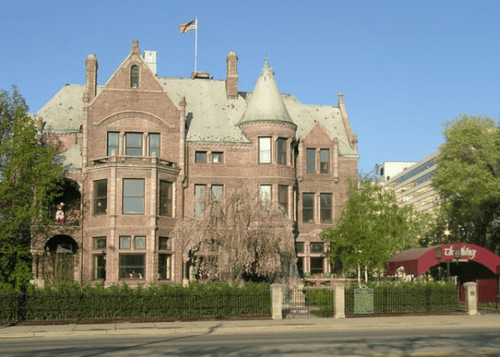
(134, 76)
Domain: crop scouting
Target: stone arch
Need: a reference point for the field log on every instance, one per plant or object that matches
(57, 262)
(70, 197)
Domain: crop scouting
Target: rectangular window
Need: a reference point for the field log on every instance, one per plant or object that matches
(100, 197)
(99, 243)
(265, 150)
(113, 139)
(154, 145)
(308, 207)
(324, 161)
(140, 242)
(99, 267)
(125, 242)
(283, 198)
(300, 266)
(200, 197)
(317, 266)
(217, 193)
(164, 243)
(299, 247)
(133, 196)
(200, 157)
(133, 144)
(325, 201)
(217, 157)
(164, 267)
(311, 161)
(281, 144)
(132, 266)
(265, 193)
(166, 204)
(317, 247)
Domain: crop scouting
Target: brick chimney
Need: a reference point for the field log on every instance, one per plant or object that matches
(232, 75)
(91, 78)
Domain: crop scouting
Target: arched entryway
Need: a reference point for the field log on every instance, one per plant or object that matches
(57, 262)
(469, 262)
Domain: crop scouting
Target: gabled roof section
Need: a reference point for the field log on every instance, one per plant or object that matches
(266, 103)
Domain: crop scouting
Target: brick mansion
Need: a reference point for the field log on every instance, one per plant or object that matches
(141, 150)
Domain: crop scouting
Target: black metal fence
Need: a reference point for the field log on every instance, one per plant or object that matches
(308, 302)
(154, 305)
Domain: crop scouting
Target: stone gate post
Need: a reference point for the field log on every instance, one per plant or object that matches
(471, 297)
(277, 301)
(339, 298)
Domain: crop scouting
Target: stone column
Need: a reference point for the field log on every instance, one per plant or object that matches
(471, 297)
(277, 301)
(339, 298)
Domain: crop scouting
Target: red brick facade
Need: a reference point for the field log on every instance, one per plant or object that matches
(146, 142)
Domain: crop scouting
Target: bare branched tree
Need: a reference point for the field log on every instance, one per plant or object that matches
(239, 235)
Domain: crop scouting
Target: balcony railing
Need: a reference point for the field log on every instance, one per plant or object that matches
(136, 160)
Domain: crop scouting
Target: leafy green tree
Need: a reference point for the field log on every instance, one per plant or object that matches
(468, 178)
(371, 228)
(30, 177)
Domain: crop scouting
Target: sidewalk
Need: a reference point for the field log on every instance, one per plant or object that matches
(249, 326)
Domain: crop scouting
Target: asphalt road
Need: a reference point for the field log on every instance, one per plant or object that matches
(396, 342)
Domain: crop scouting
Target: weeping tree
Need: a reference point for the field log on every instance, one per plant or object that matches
(239, 236)
(29, 179)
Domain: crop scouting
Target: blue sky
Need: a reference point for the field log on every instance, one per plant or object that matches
(404, 67)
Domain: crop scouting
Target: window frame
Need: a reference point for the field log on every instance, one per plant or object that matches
(97, 243)
(265, 155)
(283, 198)
(213, 194)
(110, 148)
(167, 245)
(101, 209)
(200, 199)
(124, 242)
(324, 165)
(219, 155)
(165, 272)
(281, 152)
(165, 201)
(316, 269)
(317, 247)
(309, 209)
(134, 76)
(311, 160)
(141, 275)
(99, 266)
(269, 194)
(324, 210)
(151, 148)
(200, 157)
(129, 147)
(128, 196)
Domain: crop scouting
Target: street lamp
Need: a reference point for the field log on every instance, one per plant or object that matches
(437, 254)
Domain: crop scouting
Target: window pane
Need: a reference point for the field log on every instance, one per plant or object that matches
(200, 157)
(132, 266)
(199, 199)
(283, 198)
(264, 150)
(217, 192)
(299, 247)
(100, 243)
(140, 242)
(133, 144)
(125, 242)
(100, 196)
(134, 76)
(112, 143)
(311, 165)
(265, 193)
(133, 196)
(100, 267)
(308, 207)
(166, 198)
(164, 267)
(281, 143)
(316, 247)
(326, 207)
(324, 157)
(217, 157)
(164, 243)
(300, 266)
(316, 265)
(154, 144)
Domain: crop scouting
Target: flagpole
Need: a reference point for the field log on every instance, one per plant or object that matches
(195, 44)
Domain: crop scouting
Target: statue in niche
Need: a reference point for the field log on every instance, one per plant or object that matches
(59, 214)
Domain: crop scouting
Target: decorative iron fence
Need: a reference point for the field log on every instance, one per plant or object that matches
(123, 304)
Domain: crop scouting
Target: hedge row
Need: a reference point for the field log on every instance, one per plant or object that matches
(71, 301)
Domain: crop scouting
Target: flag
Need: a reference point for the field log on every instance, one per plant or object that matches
(191, 25)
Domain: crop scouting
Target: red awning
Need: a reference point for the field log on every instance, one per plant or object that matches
(419, 260)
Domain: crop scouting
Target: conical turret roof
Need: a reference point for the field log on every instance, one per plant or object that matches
(265, 103)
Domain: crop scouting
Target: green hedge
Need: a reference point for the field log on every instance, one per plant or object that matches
(72, 301)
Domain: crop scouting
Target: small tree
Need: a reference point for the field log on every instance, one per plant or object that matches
(30, 178)
(372, 227)
(239, 235)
